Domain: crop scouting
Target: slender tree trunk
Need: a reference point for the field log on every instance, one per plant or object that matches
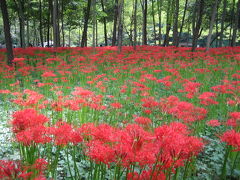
(40, 22)
(104, 24)
(144, 31)
(120, 25)
(49, 20)
(159, 5)
(183, 21)
(20, 9)
(168, 22)
(79, 36)
(62, 19)
(114, 37)
(211, 24)
(222, 22)
(154, 24)
(175, 25)
(96, 33)
(235, 27)
(84, 35)
(135, 26)
(94, 23)
(7, 33)
(197, 22)
(56, 35)
(69, 37)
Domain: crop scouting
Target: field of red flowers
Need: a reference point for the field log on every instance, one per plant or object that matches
(152, 114)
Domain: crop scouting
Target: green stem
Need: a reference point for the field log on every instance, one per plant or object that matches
(224, 169)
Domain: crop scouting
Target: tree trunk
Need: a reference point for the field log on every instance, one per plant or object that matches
(40, 22)
(144, 31)
(235, 27)
(197, 22)
(135, 25)
(120, 25)
(56, 35)
(62, 19)
(104, 24)
(211, 24)
(168, 22)
(84, 35)
(154, 24)
(94, 23)
(159, 5)
(20, 8)
(7, 33)
(114, 37)
(183, 20)
(49, 20)
(175, 25)
(69, 37)
(222, 22)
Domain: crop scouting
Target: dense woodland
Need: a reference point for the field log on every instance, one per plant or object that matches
(45, 23)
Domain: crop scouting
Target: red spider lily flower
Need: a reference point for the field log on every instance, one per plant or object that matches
(116, 105)
(63, 134)
(143, 120)
(37, 135)
(2, 91)
(9, 169)
(191, 88)
(234, 120)
(206, 98)
(213, 123)
(232, 138)
(27, 118)
(18, 60)
(48, 74)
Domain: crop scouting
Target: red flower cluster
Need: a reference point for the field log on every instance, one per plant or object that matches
(182, 110)
(232, 138)
(167, 148)
(15, 170)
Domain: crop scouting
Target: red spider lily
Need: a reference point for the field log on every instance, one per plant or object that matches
(191, 88)
(206, 98)
(116, 105)
(48, 74)
(63, 134)
(33, 135)
(213, 123)
(234, 120)
(143, 120)
(27, 118)
(232, 138)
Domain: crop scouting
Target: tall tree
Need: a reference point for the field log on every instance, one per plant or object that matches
(135, 25)
(222, 22)
(94, 22)
(168, 22)
(175, 25)
(20, 10)
(211, 24)
(120, 24)
(159, 6)
(154, 24)
(183, 20)
(235, 27)
(144, 25)
(56, 34)
(7, 33)
(104, 24)
(40, 22)
(114, 36)
(86, 19)
(197, 22)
